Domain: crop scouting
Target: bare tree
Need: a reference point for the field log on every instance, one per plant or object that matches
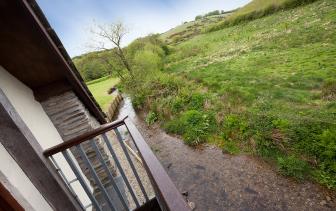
(113, 34)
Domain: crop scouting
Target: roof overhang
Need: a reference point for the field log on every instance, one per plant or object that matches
(31, 51)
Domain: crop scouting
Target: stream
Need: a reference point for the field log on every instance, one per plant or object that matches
(214, 180)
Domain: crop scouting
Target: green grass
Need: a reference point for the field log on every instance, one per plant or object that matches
(190, 29)
(263, 86)
(99, 88)
(257, 9)
(256, 5)
(271, 83)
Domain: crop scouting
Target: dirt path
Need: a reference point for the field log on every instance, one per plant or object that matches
(217, 181)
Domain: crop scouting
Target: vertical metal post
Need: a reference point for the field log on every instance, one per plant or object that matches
(131, 163)
(100, 157)
(66, 181)
(95, 177)
(81, 180)
(115, 158)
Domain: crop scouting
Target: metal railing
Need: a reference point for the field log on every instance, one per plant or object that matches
(132, 194)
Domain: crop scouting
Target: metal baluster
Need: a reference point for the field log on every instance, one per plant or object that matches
(100, 157)
(87, 206)
(131, 163)
(95, 176)
(116, 160)
(81, 180)
(68, 183)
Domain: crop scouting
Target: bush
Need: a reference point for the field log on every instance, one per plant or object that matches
(292, 166)
(198, 17)
(230, 147)
(151, 118)
(234, 128)
(326, 154)
(325, 178)
(196, 101)
(212, 13)
(194, 126)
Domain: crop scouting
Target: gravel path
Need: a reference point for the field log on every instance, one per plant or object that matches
(129, 173)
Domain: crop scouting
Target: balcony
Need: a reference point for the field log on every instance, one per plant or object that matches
(115, 169)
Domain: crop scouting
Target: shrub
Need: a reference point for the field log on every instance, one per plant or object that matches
(196, 101)
(151, 118)
(212, 13)
(194, 126)
(230, 147)
(326, 153)
(198, 17)
(177, 104)
(325, 178)
(292, 166)
(234, 128)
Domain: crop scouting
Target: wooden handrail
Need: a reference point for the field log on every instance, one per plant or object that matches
(169, 197)
(84, 137)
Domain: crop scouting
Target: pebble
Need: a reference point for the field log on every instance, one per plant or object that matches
(191, 205)
(328, 198)
(323, 202)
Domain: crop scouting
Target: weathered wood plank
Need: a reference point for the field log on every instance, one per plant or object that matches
(167, 194)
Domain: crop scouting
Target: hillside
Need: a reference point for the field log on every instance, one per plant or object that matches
(265, 86)
(191, 29)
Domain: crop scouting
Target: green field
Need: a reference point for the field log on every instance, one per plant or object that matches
(99, 88)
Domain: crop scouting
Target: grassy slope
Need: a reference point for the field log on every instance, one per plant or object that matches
(190, 29)
(285, 64)
(99, 89)
(276, 67)
(256, 5)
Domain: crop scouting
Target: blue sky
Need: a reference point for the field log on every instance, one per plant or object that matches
(72, 19)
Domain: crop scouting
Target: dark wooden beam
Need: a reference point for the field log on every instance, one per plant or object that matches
(20, 143)
(31, 51)
(71, 73)
(53, 89)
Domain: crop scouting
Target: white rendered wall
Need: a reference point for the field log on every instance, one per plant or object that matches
(33, 115)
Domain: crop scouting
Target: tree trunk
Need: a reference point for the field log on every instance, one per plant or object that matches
(124, 61)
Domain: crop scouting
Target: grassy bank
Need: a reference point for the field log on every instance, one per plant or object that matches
(263, 87)
(99, 88)
(257, 9)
